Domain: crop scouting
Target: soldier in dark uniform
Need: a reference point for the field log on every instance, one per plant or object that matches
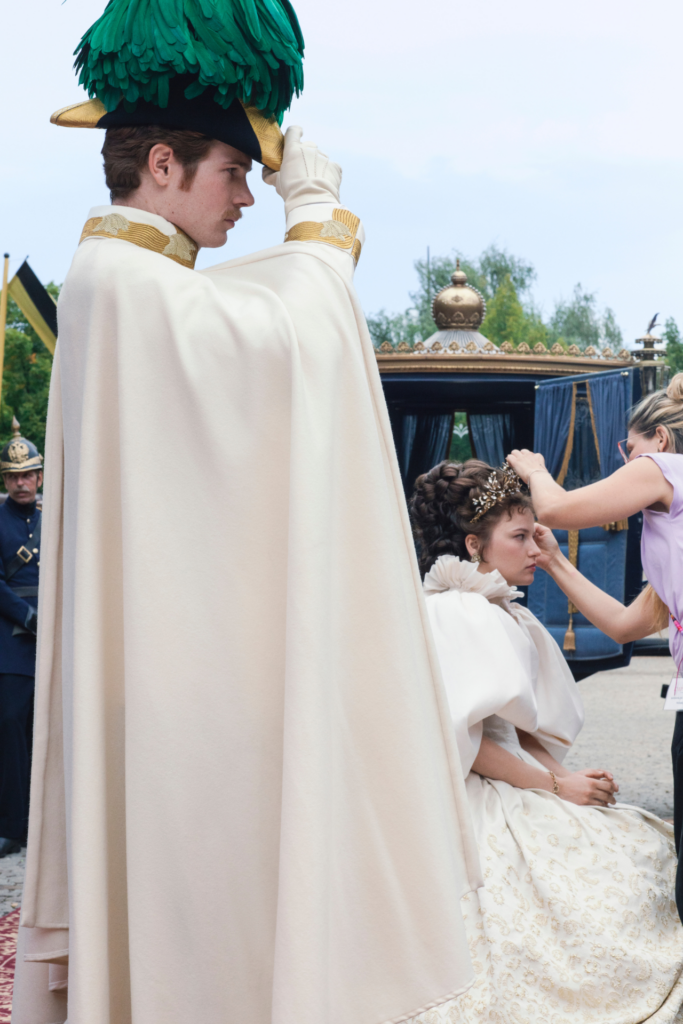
(21, 466)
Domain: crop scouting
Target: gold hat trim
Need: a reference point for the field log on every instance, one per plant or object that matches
(179, 247)
(79, 115)
(269, 135)
(21, 467)
(88, 113)
(340, 231)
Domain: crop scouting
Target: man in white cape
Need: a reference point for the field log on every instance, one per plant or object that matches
(246, 805)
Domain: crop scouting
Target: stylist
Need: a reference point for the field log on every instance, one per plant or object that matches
(652, 481)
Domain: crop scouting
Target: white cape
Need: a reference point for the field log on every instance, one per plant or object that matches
(246, 805)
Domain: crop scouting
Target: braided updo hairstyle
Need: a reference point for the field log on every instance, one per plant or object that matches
(441, 509)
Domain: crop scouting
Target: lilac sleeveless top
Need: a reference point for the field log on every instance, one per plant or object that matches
(661, 547)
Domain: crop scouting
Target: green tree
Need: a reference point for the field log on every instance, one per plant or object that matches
(394, 329)
(577, 322)
(674, 345)
(505, 316)
(536, 330)
(26, 377)
(611, 331)
(505, 282)
(495, 265)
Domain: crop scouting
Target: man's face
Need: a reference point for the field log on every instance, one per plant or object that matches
(23, 487)
(218, 192)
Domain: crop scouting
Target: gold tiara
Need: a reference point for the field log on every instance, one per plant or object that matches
(495, 490)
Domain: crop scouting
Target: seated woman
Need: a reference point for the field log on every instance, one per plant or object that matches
(576, 920)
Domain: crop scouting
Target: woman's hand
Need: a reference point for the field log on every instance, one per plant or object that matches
(550, 549)
(593, 786)
(525, 462)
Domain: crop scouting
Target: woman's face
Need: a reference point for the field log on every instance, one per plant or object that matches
(638, 444)
(511, 548)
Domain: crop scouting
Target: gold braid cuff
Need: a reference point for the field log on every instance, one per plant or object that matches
(340, 231)
(179, 247)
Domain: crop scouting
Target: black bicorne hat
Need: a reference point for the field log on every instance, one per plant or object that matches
(227, 69)
(240, 126)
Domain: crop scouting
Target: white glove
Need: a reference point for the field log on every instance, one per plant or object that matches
(306, 175)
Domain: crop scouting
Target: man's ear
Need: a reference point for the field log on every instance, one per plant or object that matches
(159, 163)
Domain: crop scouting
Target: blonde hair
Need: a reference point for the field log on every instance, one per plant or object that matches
(662, 409)
(656, 607)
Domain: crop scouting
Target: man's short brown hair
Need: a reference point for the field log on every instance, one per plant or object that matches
(126, 151)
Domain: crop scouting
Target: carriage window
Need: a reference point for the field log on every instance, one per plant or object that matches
(461, 446)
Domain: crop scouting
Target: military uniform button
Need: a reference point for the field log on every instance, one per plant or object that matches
(35, 551)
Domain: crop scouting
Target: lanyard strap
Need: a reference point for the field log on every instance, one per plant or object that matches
(23, 555)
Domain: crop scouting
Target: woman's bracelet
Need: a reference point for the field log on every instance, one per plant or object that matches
(556, 785)
(541, 469)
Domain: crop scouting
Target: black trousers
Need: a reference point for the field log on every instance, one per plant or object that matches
(677, 759)
(16, 738)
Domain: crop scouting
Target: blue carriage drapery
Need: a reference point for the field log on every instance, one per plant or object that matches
(609, 395)
(552, 420)
(611, 398)
(578, 422)
(493, 436)
(422, 440)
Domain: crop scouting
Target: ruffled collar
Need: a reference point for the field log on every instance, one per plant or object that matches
(450, 573)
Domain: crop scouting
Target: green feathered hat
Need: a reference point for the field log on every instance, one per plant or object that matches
(226, 68)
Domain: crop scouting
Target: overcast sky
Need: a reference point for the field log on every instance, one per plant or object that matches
(551, 129)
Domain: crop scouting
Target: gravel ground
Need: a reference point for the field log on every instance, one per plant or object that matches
(11, 881)
(626, 731)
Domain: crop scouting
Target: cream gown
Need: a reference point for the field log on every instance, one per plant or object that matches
(576, 921)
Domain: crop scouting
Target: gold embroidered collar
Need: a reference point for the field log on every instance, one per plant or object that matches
(179, 247)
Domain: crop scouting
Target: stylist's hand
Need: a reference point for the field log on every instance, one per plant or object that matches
(593, 786)
(525, 462)
(550, 549)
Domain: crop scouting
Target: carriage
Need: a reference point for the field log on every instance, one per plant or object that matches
(569, 404)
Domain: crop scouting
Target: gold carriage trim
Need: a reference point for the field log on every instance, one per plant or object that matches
(179, 247)
(340, 231)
